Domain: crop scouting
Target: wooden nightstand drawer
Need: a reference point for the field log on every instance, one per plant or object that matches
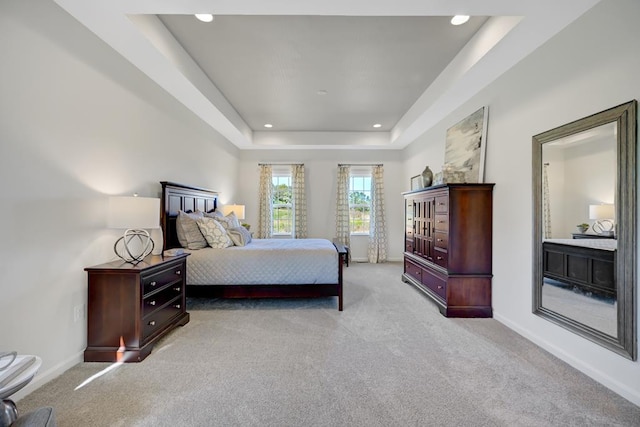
(158, 279)
(159, 299)
(158, 319)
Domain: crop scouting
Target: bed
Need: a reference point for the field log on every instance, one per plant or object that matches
(588, 264)
(264, 268)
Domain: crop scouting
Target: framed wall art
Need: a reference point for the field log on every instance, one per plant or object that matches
(416, 182)
(466, 146)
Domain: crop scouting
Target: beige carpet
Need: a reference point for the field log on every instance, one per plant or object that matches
(389, 359)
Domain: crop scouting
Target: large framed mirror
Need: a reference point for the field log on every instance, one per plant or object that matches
(584, 227)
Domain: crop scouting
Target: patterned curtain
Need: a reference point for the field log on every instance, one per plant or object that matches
(343, 233)
(377, 251)
(264, 202)
(299, 202)
(546, 206)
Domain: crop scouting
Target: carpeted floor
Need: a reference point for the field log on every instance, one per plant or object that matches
(389, 359)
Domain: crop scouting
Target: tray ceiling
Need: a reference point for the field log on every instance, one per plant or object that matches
(323, 73)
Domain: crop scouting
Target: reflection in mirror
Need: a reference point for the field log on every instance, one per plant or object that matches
(584, 227)
(578, 173)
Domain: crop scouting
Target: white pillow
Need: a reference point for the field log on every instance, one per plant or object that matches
(240, 235)
(214, 233)
(189, 234)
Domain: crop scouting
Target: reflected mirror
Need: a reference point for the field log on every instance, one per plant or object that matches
(584, 176)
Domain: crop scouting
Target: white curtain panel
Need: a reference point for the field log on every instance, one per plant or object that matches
(546, 207)
(264, 202)
(342, 207)
(299, 202)
(377, 251)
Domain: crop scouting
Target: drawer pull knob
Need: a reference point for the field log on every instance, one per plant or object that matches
(439, 257)
(152, 284)
(441, 203)
(178, 272)
(177, 305)
(152, 323)
(439, 240)
(440, 221)
(177, 289)
(439, 286)
(152, 303)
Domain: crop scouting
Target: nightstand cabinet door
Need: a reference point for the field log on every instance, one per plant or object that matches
(131, 307)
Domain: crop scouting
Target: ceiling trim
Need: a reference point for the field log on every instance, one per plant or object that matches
(515, 30)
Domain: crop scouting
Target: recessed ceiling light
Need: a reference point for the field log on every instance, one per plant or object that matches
(377, 125)
(204, 17)
(268, 125)
(322, 92)
(459, 19)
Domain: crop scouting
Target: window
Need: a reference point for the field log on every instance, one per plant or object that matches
(359, 202)
(282, 213)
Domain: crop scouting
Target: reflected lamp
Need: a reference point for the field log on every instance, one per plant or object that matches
(603, 215)
(135, 215)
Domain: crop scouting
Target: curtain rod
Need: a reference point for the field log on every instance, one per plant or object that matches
(360, 164)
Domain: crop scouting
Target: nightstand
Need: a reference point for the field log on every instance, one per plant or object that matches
(130, 307)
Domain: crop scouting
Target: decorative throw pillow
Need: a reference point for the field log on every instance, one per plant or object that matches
(189, 234)
(213, 214)
(229, 221)
(214, 233)
(239, 235)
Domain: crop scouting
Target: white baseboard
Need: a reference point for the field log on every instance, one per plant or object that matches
(630, 394)
(42, 378)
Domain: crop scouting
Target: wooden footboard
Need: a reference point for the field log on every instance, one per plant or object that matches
(176, 197)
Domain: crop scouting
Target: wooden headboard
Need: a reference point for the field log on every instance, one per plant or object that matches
(176, 197)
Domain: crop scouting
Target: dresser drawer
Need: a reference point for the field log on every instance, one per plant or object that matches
(442, 222)
(442, 240)
(413, 270)
(157, 300)
(442, 204)
(434, 283)
(440, 257)
(159, 318)
(408, 245)
(161, 278)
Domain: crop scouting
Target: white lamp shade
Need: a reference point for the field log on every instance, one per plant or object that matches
(605, 211)
(237, 209)
(134, 212)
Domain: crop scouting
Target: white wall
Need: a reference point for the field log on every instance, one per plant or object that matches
(321, 168)
(77, 123)
(589, 67)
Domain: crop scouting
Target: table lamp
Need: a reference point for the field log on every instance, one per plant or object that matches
(603, 215)
(237, 209)
(135, 214)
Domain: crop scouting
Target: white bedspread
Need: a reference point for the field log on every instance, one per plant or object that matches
(604, 244)
(265, 261)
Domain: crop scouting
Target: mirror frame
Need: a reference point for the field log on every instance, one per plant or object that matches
(625, 116)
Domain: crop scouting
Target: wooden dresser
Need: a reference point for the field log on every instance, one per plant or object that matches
(130, 307)
(448, 246)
